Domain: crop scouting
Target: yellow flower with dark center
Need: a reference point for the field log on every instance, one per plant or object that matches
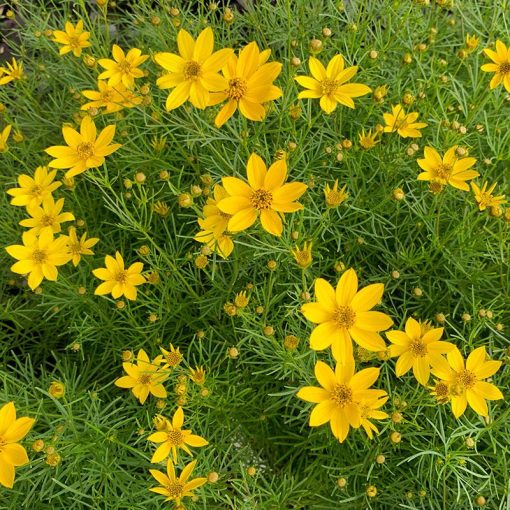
(370, 410)
(303, 256)
(417, 350)
(368, 141)
(484, 197)
(172, 357)
(448, 169)
(500, 65)
(173, 438)
(84, 150)
(265, 195)
(12, 431)
(49, 216)
(403, 123)
(465, 380)
(193, 74)
(79, 247)
(113, 99)
(33, 190)
(333, 196)
(342, 396)
(4, 135)
(39, 256)
(13, 71)
(250, 85)
(74, 38)
(124, 68)
(344, 315)
(176, 488)
(119, 281)
(330, 84)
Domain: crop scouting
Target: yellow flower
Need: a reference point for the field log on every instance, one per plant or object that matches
(303, 256)
(250, 84)
(344, 315)
(12, 431)
(446, 170)
(39, 256)
(84, 150)
(118, 280)
(369, 409)
(173, 437)
(33, 190)
(4, 135)
(404, 124)
(194, 73)
(12, 72)
(144, 377)
(341, 396)
(57, 389)
(264, 195)
(79, 247)
(500, 65)
(124, 68)
(441, 391)
(417, 350)
(73, 39)
(330, 84)
(197, 375)
(172, 357)
(466, 380)
(484, 197)
(47, 216)
(472, 42)
(334, 197)
(113, 99)
(176, 488)
(368, 141)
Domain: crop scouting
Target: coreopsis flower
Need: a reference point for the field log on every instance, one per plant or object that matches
(368, 141)
(250, 85)
(264, 195)
(112, 99)
(48, 215)
(441, 391)
(465, 380)
(448, 169)
(176, 488)
(417, 350)
(330, 84)
(303, 256)
(144, 377)
(84, 150)
(500, 65)
(341, 396)
(12, 431)
(74, 38)
(370, 410)
(173, 438)
(119, 281)
(34, 190)
(79, 247)
(124, 68)
(333, 196)
(197, 375)
(4, 135)
(472, 42)
(172, 357)
(39, 256)
(403, 123)
(344, 315)
(193, 74)
(484, 197)
(13, 71)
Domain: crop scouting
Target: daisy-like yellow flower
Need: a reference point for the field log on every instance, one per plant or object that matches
(176, 488)
(340, 396)
(344, 315)
(172, 357)
(368, 140)
(472, 42)
(197, 375)
(250, 85)
(13, 71)
(417, 350)
(119, 281)
(448, 169)
(173, 438)
(441, 391)
(403, 123)
(303, 256)
(466, 380)
(124, 68)
(84, 150)
(193, 74)
(144, 377)
(333, 196)
(500, 65)
(330, 84)
(112, 99)
(74, 38)
(12, 431)
(79, 247)
(39, 257)
(484, 197)
(265, 195)
(4, 135)
(48, 216)
(370, 410)
(34, 190)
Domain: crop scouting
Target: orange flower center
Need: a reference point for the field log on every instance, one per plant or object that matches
(145, 379)
(175, 437)
(236, 88)
(466, 379)
(328, 86)
(39, 256)
(261, 199)
(121, 276)
(192, 70)
(85, 150)
(443, 171)
(504, 68)
(344, 316)
(418, 348)
(175, 489)
(47, 220)
(342, 394)
(442, 392)
(173, 358)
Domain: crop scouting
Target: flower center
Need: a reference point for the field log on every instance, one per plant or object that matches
(504, 68)
(236, 88)
(302, 257)
(121, 276)
(106, 96)
(173, 358)
(344, 316)
(2, 443)
(442, 392)
(124, 67)
(328, 86)
(466, 379)
(75, 248)
(192, 70)
(145, 379)
(175, 437)
(47, 220)
(342, 394)
(418, 348)
(334, 198)
(74, 41)
(85, 150)
(443, 171)
(261, 199)
(39, 256)
(175, 489)
(484, 199)
(36, 190)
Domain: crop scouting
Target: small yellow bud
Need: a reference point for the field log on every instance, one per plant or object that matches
(213, 477)
(395, 437)
(380, 459)
(371, 491)
(57, 389)
(341, 482)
